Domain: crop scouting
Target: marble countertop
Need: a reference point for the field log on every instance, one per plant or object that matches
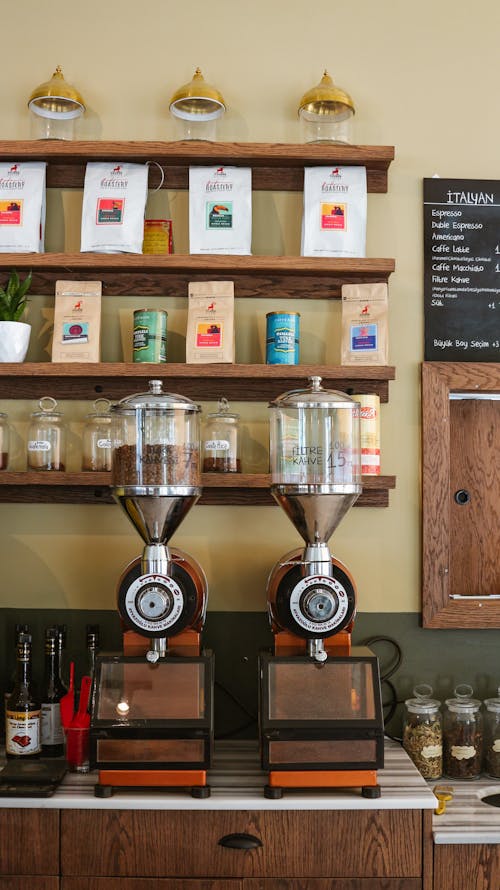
(467, 820)
(237, 783)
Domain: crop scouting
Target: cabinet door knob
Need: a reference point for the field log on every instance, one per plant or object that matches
(462, 497)
(240, 841)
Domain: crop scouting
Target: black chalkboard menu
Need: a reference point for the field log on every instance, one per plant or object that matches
(462, 270)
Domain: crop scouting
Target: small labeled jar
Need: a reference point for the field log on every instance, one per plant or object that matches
(4, 441)
(463, 735)
(221, 441)
(96, 438)
(423, 732)
(492, 736)
(47, 437)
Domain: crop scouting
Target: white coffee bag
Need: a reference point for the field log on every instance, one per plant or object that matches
(114, 203)
(220, 210)
(22, 207)
(334, 220)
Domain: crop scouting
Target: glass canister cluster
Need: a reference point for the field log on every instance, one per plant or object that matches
(462, 744)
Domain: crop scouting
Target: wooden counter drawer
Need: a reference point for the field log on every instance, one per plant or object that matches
(357, 843)
(21, 883)
(474, 866)
(29, 842)
(151, 884)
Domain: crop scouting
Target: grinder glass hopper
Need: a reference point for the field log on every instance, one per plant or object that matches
(155, 476)
(315, 461)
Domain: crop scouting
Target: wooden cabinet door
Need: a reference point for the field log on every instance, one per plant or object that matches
(466, 866)
(346, 843)
(29, 842)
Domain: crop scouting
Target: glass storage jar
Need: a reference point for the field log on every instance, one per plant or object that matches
(462, 735)
(47, 437)
(221, 441)
(4, 441)
(492, 736)
(96, 438)
(155, 440)
(423, 732)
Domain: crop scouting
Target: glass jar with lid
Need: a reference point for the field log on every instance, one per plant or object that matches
(155, 440)
(492, 736)
(47, 437)
(423, 732)
(96, 438)
(221, 441)
(4, 441)
(314, 440)
(462, 735)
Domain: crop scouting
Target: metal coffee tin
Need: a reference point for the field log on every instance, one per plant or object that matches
(282, 338)
(150, 335)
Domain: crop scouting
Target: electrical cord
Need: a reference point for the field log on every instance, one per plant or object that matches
(385, 674)
(229, 734)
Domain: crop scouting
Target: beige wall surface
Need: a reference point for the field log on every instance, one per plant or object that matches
(424, 77)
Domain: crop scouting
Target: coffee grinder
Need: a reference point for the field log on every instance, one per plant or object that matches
(320, 709)
(152, 712)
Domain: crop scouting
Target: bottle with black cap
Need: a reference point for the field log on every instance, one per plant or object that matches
(23, 712)
(52, 691)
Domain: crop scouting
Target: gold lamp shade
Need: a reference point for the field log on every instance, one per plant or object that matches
(56, 98)
(197, 99)
(326, 99)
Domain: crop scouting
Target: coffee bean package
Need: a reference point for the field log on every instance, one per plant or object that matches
(220, 210)
(77, 322)
(210, 327)
(365, 335)
(334, 220)
(22, 207)
(114, 203)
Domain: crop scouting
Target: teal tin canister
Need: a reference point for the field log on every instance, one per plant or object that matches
(282, 338)
(150, 335)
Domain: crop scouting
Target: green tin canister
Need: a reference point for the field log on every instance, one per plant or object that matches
(150, 335)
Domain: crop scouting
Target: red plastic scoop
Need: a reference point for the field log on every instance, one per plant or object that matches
(82, 716)
(67, 703)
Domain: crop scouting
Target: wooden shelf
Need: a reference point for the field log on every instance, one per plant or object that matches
(274, 166)
(275, 277)
(247, 383)
(243, 489)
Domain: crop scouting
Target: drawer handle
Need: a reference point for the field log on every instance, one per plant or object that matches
(240, 841)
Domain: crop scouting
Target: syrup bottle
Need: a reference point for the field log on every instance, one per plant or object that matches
(23, 715)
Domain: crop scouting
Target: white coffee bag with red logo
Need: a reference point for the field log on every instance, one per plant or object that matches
(220, 210)
(114, 203)
(22, 207)
(334, 220)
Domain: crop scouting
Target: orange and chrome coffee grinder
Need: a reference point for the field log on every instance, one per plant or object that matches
(320, 709)
(152, 710)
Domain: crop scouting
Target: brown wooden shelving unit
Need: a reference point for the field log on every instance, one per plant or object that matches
(274, 167)
(237, 489)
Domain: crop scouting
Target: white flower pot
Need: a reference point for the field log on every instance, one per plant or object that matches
(14, 340)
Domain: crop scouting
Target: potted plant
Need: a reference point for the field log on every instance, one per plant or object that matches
(14, 333)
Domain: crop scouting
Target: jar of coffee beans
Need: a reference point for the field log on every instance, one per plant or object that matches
(492, 736)
(463, 735)
(422, 732)
(156, 442)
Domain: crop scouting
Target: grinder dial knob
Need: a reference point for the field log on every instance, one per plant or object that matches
(314, 606)
(319, 603)
(154, 602)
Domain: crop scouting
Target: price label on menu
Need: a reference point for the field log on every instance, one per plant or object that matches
(462, 270)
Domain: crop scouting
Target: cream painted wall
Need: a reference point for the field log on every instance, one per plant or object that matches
(424, 77)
